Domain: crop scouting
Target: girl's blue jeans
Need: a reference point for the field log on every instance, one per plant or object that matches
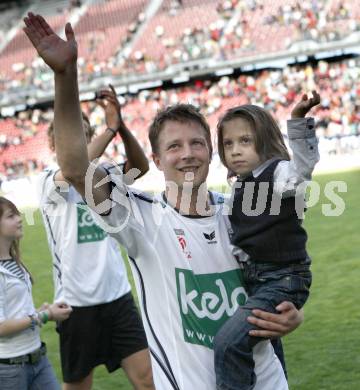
(39, 376)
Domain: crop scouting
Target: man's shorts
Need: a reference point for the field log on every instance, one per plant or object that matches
(101, 334)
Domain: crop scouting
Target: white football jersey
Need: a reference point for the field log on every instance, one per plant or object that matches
(188, 283)
(88, 267)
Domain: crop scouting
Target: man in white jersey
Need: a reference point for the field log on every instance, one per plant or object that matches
(187, 279)
(89, 273)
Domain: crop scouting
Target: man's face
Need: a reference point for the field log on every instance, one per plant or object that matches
(183, 153)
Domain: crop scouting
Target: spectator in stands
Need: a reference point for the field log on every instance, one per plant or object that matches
(338, 82)
(74, 4)
(89, 273)
(238, 30)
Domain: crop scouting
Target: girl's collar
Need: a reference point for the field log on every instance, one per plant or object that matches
(259, 170)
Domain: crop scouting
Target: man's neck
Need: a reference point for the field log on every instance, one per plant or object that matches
(194, 202)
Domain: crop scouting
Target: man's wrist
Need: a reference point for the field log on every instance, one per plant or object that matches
(122, 129)
(113, 131)
(69, 71)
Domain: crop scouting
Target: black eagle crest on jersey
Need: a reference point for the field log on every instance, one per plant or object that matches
(210, 236)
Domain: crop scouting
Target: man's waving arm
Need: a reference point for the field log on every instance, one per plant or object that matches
(70, 143)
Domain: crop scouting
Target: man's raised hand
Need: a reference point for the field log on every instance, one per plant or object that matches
(56, 52)
(109, 102)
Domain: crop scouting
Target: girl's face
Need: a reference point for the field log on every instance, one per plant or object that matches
(239, 147)
(10, 224)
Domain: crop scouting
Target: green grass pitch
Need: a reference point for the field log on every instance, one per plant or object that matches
(324, 353)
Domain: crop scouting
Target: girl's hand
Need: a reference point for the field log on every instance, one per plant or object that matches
(43, 307)
(56, 52)
(305, 105)
(59, 311)
(276, 325)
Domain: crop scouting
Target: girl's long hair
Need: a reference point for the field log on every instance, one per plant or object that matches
(269, 141)
(15, 246)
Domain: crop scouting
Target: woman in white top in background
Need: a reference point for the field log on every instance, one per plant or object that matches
(23, 361)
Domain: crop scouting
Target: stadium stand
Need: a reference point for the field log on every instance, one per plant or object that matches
(120, 38)
(102, 31)
(179, 32)
(338, 117)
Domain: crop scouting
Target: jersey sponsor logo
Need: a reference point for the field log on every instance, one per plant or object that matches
(88, 231)
(182, 242)
(220, 199)
(180, 234)
(210, 237)
(206, 301)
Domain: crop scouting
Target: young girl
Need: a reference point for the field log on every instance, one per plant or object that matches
(266, 224)
(23, 361)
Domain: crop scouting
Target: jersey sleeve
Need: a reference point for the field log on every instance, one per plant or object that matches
(124, 221)
(304, 145)
(48, 191)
